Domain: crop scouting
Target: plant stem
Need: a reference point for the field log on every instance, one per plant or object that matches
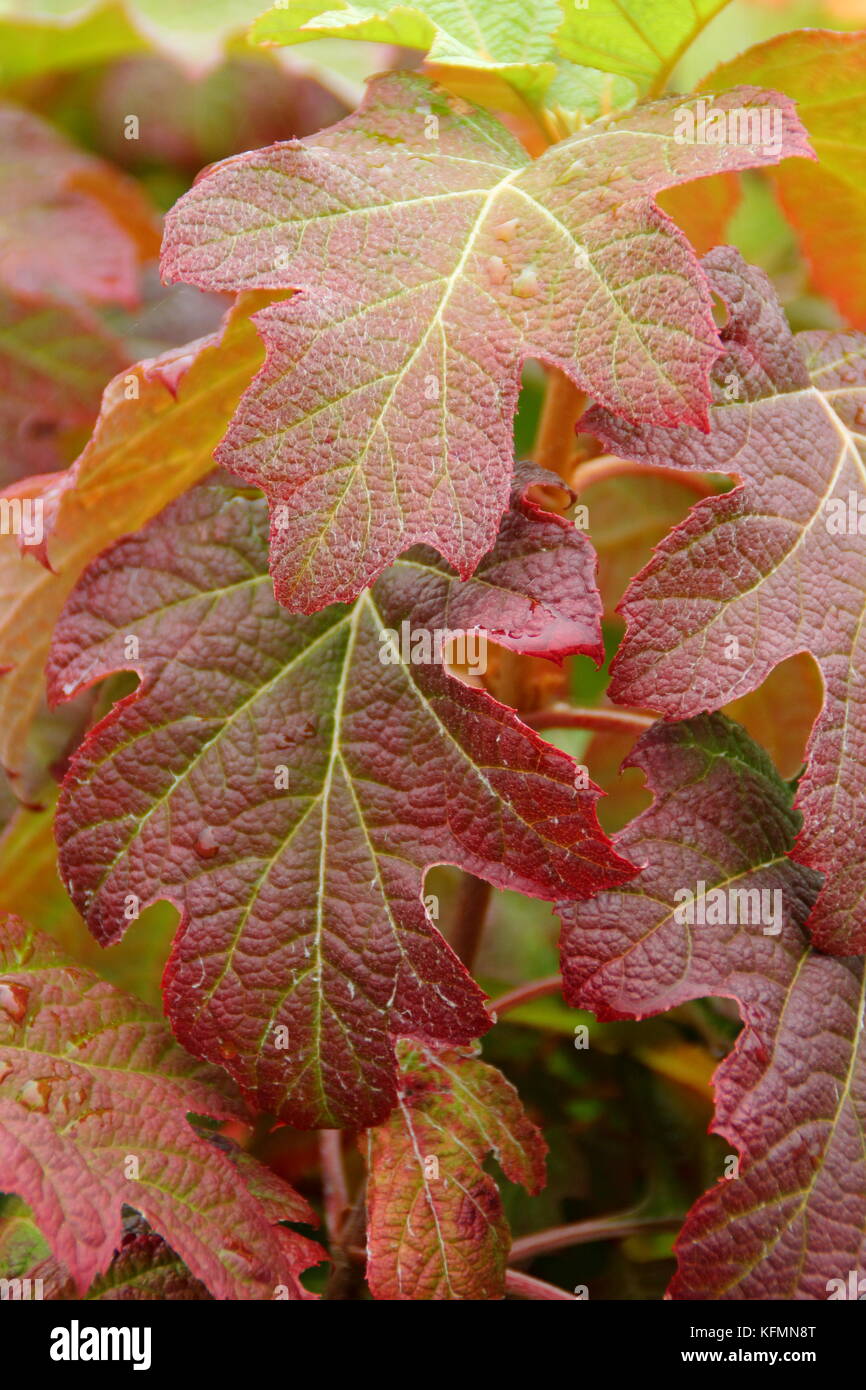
(605, 466)
(347, 1276)
(334, 1187)
(602, 720)
(527, 1286)
(524, 994)
(555, 442)
(627, 1223)
(473, 900)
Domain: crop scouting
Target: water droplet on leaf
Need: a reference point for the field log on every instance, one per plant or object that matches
(206, 843)
(13, 999)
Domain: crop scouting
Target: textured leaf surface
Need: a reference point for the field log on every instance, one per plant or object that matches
(289, 788)
(763, 564)
(430, 269)
(642, 39)
(826, 74)
(436, 1228)
(792, 1095)
(158, 427)
(89, 1079)
(488, 44)
(56, 204)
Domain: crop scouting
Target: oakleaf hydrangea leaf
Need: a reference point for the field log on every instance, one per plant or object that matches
(775, 567)
(94, 1098)
(436, 1227)
(641, 39)
(825, 73)
(498, 55)
(288, 780)
(433, 259)
(787, 1220)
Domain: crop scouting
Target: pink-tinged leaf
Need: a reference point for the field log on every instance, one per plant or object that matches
(791, 1098)
(94, 1098)
(287, 781)
(433, 259)
(775, 567)
(72, 226)
(436, 1228)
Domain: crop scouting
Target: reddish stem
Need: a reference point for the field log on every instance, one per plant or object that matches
(618, 1227)
(524, 994)
(334, 1186)
(470, 912)
(602, 721)
(609, 466)
(556, 441)
(522, 1285)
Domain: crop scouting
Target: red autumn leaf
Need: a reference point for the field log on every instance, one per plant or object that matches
(772, 568)
(433, 258)
(436, 1227)
(56, 205)
(792, 1095)
(287, 781)
(94, 1098)
(144, 1267)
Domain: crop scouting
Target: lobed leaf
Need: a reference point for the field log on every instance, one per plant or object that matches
(764, 572)
(825, 73)
(288, 780)
(792, 1095)
(94, 1098)
(436, 1227)
(641, 39)
(497, 50)
(155, 436)
(434, 259)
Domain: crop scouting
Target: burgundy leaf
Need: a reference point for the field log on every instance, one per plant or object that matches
(287, 781)
(775, 567)
(791, 1097)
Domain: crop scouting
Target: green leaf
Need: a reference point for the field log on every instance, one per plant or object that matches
(640, 39)
(30, 47)
(501, 56)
